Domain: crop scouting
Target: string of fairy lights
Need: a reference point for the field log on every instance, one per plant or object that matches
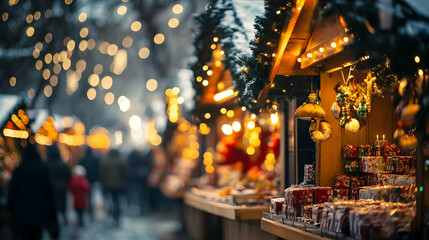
(101, 82)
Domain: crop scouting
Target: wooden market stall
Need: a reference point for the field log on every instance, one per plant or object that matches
(351, 48)
(225, 30)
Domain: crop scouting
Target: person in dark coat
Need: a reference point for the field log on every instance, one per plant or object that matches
(31, 197)
(80, 188)
(113, 174)
(90, 162)
(61, 176)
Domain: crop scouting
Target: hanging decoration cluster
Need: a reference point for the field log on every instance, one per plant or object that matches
(354, 97)
(264, 46)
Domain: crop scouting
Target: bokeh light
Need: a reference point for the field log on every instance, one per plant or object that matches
(91, 93)
(159, 38)
(127, 42)
(135, 122)
(173, 23)
(136, 26)
(107, 82)
(151, 85)
(124, 103)
(30, 31)
(109, 98)
(121, 10)
(12, 81)
(47, 91)
(177, 9)
(144, 53)
(82, 17)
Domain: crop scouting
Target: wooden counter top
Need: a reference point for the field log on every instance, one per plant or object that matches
(287, 232)
(223, 209)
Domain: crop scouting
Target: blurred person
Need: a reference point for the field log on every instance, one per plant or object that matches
(32, 198)
(90, 162)
(140, 165)
(79, 188)
(61, 175)
(113, 174)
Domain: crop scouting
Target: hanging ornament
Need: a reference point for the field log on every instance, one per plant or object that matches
(409, 112)
(369, 80)
(362, 111)
(340, 99)
(321, 135)
(336, 110)
(310, 109)
(352, 125)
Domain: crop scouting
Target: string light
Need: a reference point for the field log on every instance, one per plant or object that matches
(159, 38)
(112, 49)
(207, 116)
(84, 32)
(417, 59)
(173, 23)
(109, 98)
(121, 10)
(82, 17)
(144, 53)
(12, 81)
(93, 80)
(205, 83)
(177, 9)
(136, 26)
(83, 45)
(29, 18)
(53, 80)
(209, 72)
(47, 91)
(127, 42)
(48, 37)
(151, 85)
(215, 39)
(98, 69)
(5, 16)
(333, 44)
(106, 82)
(31, 93)
(37, 15)
(91, 93)
(124, 103)
(30, 31)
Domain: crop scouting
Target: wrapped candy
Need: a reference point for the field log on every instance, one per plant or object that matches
(342, 182)
(322, 194)
(374, 164)
(299, 196)
(351, 151)
(309, 173)
(316, 214)
(401, 164)
(341, 194)
(276, 205)
(307, 211)
(351, 166)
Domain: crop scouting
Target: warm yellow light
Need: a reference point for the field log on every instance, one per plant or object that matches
(175, 91)
(53, 80)
(253, 116)
(48, 58)
(199, 79)
(222, 52)
(230, 113)
(31, 93)
(91, 93)
(207, 115)
(159, 38)
(135, 122)
(30, 31)
(81, 65)
(66, 64)
(107, 82)
(222, 95)
(227, 129)
(209, 169)
(91, 44)
(36, 53)
(48, 37)
(213, 46)
(274, 118)
(82, 17)
(70, 45)
(207, 161)
(109, 98)
(243, 108)
(321, 49)
(204, 129)
(421, 72)
(83, 45)
(46, 74)
(209, 72)
(144, 53)
(29, 18)
(205, 83)
(12, 81)
(223, 110)
(215, 39)
(218, 63)
(346, 39)
(68, 2)
(39, 64)
(136, 26)
(417, 59)
(5, 16)
(93, 80)
(180, 100)
(127, 42)
(236, 126)
(205, 68)
(250, 150)
(151, 85)
(47, 91)
(84, 32)
(124, 103)
(37, 15)
(98, 69)
(177, 9)
(112, 49)
(309, 55)
(333, 44)
(15, 133)
(251, 125)
(121, 10)
(173, 23)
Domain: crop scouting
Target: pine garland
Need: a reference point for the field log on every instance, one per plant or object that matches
(264, 46)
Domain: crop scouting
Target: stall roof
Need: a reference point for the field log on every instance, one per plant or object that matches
(8, 103)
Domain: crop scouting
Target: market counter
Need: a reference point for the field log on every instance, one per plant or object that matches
(287, 232)
(234, 222)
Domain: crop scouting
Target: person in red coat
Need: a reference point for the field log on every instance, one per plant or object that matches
(79, 188)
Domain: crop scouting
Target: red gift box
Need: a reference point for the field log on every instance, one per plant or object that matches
(351, 151)
(317, 213)
(342, 182)
(356, 181)
(354, 193)
(307, 211)
(370, 179)
(322, 194)
(341, 194)
(276, 205)
(297, 197)
(401, 164)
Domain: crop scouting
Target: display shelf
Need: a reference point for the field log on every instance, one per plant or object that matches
(223, 209)
(287, 232)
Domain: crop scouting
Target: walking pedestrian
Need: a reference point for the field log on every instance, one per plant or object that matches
(90, 162)
(31, 198)
(79, 188)
(61, 175)
(113, 174)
